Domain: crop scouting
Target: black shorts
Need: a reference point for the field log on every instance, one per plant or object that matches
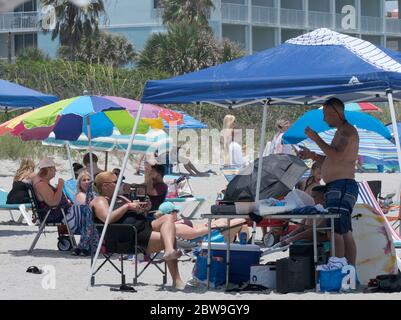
(341, 196)
(142, 225)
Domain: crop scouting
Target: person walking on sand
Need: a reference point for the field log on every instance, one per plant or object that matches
(338, 172)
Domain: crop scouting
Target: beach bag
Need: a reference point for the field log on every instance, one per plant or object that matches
(331, 280)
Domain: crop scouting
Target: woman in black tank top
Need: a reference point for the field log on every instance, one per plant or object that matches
(153, 236)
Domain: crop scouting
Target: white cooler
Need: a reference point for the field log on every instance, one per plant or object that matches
(264, 275)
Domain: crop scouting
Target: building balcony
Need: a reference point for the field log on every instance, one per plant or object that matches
(308, 20)
(19, 22)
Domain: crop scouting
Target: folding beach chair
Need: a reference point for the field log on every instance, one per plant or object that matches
(122, 239)
(66, 240)
(22, 208)
(180, 191)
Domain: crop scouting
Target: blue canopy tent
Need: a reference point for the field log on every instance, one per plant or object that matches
(304, 70)
(14, 96)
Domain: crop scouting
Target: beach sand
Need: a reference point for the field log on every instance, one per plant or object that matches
(72, 273)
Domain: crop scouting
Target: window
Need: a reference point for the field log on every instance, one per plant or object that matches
(156, 4)
(25, 40)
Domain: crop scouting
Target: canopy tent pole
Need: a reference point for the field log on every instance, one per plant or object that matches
(260, 163)
(395, 132)
(106, 160)
(88, 125)
(394, 123)
(67, 146)
(114, 198)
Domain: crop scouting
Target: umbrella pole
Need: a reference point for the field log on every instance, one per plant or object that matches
(88, 124)
(260, 163)
(67, 146)
(114, 198)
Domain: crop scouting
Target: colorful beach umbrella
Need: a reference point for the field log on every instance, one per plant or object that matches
(361, 107)
(69, 118)
(314, 119)
(373, 147)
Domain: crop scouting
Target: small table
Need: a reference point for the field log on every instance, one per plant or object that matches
(314, 217)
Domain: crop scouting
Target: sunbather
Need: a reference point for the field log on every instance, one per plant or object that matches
(25, 174)
(187, 231)
(153, 236)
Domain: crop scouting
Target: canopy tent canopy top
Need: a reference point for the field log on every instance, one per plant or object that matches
(304, 70)
(15, 96)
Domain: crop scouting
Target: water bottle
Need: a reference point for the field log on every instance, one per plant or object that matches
(243, 238)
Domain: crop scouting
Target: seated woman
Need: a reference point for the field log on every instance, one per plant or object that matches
(48, 196)
(187, 231)
(83, 183)
(153, 236)
(25, 174)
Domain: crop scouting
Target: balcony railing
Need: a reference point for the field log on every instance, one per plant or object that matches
(393, 26)
(320, 20)
(293, 18)
(269, 16)
(372, 24)
(19, 21)
(264, 15)
(234, 13)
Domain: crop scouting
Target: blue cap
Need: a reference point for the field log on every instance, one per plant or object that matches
(168, 207)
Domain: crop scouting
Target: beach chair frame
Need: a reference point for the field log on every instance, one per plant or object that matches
(35, 216)
(131, 248)
(22, 208)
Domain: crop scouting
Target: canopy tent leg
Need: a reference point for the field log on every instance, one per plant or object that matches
(67, 146)
(394, 123)
(260, 163)
(114, 198)
(395, 133)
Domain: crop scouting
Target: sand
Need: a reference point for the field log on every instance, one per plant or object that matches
(71, 272)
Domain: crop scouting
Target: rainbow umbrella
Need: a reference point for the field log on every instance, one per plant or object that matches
(94, 116)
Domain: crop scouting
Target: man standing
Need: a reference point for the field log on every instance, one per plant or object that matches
(338, 172)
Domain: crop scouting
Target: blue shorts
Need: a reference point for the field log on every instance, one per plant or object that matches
(341, 196)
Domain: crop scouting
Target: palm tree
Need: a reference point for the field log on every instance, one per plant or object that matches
(186, 11)
(73, 22)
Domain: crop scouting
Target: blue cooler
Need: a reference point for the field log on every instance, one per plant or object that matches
(242, 257)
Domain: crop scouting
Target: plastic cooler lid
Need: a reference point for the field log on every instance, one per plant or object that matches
(233, 246)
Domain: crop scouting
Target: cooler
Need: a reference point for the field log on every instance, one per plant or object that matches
(242, 257)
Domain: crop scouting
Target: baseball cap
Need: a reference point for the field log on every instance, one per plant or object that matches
(46, 163)
(168, 207)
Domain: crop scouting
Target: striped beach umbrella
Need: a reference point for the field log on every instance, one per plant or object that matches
(154, 140)
(371, 146)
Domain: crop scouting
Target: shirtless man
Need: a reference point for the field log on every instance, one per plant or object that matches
(338, 172)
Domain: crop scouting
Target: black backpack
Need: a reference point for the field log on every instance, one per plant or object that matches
(385, 283)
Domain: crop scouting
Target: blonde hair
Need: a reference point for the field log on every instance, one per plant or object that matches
(228, 121)
(26, 168)
(103, 177)
(83, 174)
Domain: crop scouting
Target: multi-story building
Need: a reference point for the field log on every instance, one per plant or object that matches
(254, 24)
